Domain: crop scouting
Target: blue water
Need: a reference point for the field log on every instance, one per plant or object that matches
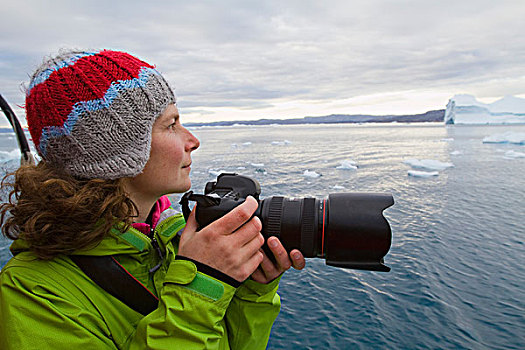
(457, 254)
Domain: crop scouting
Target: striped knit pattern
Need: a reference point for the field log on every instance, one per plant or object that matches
(91, 113)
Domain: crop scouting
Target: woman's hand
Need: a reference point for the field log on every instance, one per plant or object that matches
(231, 244)
(268, 271)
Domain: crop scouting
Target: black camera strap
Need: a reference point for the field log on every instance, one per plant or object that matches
(201, 199)
(184, 203)
(108, 274)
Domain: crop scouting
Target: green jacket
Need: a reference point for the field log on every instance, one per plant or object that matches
(54, 305)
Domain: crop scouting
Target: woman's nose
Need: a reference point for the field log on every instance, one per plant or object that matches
(193, 143)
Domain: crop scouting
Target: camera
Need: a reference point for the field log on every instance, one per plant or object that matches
(347, 229)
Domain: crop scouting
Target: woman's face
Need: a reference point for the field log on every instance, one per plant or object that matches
(168, 167)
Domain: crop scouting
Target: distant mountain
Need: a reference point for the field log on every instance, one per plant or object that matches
(430, 116)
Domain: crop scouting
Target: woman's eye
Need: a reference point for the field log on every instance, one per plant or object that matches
(173, 125)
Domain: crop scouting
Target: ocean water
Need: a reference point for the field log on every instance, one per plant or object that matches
(457, 255)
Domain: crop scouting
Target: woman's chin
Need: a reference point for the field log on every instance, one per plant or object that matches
(184, 187)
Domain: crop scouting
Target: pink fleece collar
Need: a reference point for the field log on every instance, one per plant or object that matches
(162, 204)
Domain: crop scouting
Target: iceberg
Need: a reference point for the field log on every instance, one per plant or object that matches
(311, 174)
(517, 138)
(429, 164)
(347, 165)
(466, 109)
(416, 173)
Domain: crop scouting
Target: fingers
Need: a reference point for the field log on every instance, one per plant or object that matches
(259, 276)
(298, 260)
(236, 218)
(248, 268)
(268, 270)
(254, 263)
(251, 247)
(283, 261)
(280, 254)
(248, 232)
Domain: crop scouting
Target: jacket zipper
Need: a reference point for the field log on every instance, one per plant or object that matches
(155, 245)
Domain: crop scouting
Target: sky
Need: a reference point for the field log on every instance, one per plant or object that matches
(242, 60)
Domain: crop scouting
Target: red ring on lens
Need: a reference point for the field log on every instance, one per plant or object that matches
(322, 234)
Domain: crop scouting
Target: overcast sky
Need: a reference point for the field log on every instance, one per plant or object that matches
(232, 60)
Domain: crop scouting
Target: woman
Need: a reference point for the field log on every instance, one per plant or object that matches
(108, 131)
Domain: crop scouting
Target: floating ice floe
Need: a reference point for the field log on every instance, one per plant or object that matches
(429, 164)
(234, 145)
(455, 153)
(215, 172)
(506, 137)
(347, 165)
(447, 140)
(416, 173)
(311, 174)
(513, 154)
(257, 165)
(281, 143)
(241, 167)
(247, 143)
(337, 187)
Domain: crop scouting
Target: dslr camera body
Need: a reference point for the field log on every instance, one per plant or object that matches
(347, 229)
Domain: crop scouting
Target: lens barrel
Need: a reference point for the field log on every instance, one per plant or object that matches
(294, 222)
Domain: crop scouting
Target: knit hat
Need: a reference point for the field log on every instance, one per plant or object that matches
(92, 113)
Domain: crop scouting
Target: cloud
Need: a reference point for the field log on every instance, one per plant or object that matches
(257, 55)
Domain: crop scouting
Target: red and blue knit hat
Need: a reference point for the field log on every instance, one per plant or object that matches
(92, 113)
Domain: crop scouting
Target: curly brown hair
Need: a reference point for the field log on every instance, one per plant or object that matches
(56, 213)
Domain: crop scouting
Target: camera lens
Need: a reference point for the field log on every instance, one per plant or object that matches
(347, 229)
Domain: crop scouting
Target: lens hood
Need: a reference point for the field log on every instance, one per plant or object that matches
(357, 234)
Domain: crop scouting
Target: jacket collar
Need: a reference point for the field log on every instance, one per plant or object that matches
(168, 225)
(161, 205)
